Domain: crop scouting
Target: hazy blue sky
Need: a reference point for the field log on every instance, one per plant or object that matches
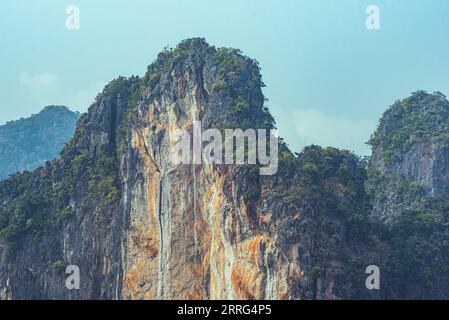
(328, 77)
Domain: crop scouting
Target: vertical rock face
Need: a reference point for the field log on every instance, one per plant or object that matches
(412, 141)
(409, 183)
(411, 146)
(57, 216)
(140, 227)
(427, 163)
(192, 233)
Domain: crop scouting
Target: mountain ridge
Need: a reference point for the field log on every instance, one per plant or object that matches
(140, 227)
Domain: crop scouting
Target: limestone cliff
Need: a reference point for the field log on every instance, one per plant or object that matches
(408, 180)
(139, 226)
(412, 141)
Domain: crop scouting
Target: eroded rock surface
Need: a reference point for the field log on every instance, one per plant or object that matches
(140, 227)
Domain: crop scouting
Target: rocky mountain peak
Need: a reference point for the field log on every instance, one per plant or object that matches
(412, 140)
(139, 226)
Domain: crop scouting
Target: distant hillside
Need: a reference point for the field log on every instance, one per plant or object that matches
(27, 143)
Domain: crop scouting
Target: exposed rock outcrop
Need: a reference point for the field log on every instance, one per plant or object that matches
(139, 226)
(409, 183)
(412, 141)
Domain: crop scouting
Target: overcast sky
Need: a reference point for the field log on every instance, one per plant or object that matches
(328, 77)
